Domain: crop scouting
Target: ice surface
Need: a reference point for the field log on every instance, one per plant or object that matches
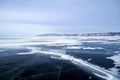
(96, 70)
(46, 45)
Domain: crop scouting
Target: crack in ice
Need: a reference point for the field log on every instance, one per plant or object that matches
(91, 68)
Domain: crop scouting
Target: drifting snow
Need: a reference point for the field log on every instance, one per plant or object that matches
(56, 40)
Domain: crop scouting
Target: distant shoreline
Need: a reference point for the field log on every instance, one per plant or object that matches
(85, 34)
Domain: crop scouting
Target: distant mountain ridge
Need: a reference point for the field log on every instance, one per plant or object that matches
(85, 34)
(102, 34)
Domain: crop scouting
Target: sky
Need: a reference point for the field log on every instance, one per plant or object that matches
(31, 17)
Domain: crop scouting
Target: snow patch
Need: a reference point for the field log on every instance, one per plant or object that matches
(80, 47)
(116, 70)
(2, 50)
(116, 59)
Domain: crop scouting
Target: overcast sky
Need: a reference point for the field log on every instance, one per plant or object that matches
(31, 17)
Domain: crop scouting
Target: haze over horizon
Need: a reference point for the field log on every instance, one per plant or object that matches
(32, 17)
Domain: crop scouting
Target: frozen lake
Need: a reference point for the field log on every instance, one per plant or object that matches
(60, 58)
